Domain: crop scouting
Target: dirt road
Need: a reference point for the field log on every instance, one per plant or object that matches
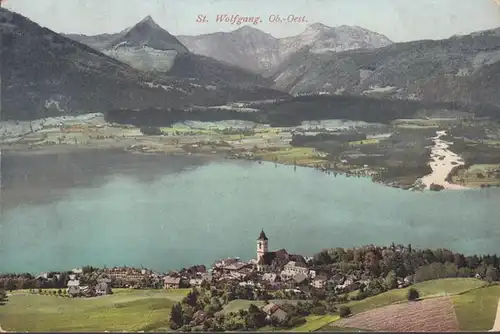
(496, 325)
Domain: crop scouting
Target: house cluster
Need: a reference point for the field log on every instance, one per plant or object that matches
(271, 270)
(126, 273)
(75, 289)
(105, 278)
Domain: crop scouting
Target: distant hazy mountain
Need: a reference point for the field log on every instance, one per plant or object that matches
(260, 52)
(246, 47)
(148, 47)
(460, 68)
(44, 73)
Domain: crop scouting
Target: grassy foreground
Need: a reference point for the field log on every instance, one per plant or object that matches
(429, 289)
(126, 310)
(149, 310)
(476, 310)
(315, 322)
(457, 287)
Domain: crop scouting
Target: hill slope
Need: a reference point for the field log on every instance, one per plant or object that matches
(46, 74)
(461, 68)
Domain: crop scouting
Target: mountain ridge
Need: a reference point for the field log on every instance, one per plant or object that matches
(261, 52)
(435, 70)
(46, 74)
(148, 47)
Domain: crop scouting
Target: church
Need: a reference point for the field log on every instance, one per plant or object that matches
(273, 261)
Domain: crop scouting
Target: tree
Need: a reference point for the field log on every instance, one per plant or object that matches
(176, 316)
(491, 274)
(255, 318)
(215, 304)
(3, 297)
(192, 298)
(344, 311)
(151, 131)
(413, 294)
(10, 285)
(391, 280)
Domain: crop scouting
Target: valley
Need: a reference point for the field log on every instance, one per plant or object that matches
(402, 153)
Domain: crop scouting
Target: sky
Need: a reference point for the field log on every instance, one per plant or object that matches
(400, 20)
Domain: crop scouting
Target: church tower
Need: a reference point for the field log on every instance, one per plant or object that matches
(262, 244)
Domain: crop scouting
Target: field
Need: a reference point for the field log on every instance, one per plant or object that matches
(416, 123)
(435, 314)
(476, 310)
(315, 322)
(478, 174)
(365, 142)
(240, 304)
(429, 289)
(126, 310)
(300, 155)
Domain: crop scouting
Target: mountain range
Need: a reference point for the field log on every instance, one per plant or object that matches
(260, 52)
(461, 68)
(44, 73)
(148, 47)
(144, 67)
(354, 61)
(246, 47)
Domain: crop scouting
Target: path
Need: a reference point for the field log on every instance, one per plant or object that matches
(496, 325)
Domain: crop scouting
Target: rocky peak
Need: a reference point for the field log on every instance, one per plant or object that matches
(148, 33)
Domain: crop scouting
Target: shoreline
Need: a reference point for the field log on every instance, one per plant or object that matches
(127, 147)
(442, 163)
(134, 147)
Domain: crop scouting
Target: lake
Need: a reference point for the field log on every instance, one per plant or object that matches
(111, 208)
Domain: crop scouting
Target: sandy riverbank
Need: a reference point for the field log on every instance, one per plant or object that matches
(442, 162)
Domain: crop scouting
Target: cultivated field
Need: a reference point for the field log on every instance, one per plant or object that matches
(435, 314)
(299, 155)
(428, 289)
(125, 310)
(476, 310)
(479, 174)
(315, 322)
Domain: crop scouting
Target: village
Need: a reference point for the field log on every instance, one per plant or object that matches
(271, 273)
(276, 289)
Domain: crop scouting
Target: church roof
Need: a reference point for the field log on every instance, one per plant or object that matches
(268, 258)
(262, 236)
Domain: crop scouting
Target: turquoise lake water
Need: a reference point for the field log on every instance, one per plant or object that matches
(66, 211)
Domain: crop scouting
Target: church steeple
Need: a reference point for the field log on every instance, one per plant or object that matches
(262, 245)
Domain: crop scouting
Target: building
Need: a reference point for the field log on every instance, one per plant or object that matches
(273, 311)
(103, 287)
(300, 278)
(126, 274)
(296, 268)
(170, 282)
(262, 246)
(319, 282)
(73, 286)
(268, 261)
